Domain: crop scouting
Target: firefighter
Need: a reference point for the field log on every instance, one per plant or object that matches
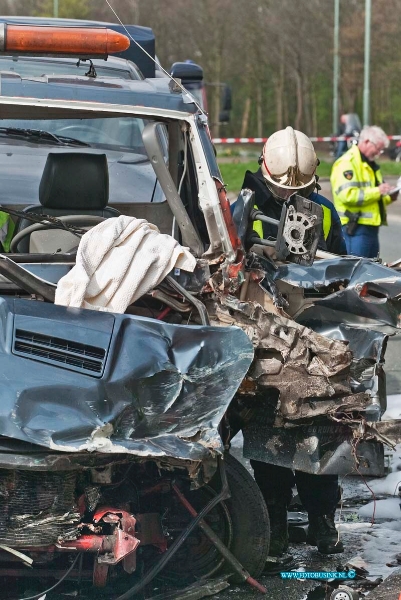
(360, 196)
(287, 166)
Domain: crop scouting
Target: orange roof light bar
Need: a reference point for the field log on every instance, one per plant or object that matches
(65, 41)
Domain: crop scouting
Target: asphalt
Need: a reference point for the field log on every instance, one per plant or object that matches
(390, 589)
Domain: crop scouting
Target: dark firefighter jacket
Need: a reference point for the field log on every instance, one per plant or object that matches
(332, 239)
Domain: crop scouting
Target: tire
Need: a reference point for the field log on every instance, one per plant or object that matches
(241, 522)
(250, 519)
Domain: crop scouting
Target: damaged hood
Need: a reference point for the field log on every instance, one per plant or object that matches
(74, 380)
(356, 291)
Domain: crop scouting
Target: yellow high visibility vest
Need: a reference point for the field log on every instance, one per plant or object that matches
(258, 225)
(355, 189)
(7, 227)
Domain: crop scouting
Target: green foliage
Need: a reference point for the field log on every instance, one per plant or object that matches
(390, 168)
(67, 9)
(322, 90)
(233, 172)
(254, 46)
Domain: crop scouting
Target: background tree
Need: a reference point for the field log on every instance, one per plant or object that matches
(276, 55)
(68, 9)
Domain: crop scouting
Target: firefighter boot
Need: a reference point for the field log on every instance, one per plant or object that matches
(278, 527)
(322, 533)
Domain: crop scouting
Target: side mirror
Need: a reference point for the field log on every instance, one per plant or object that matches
(226, 104)
(224, 116)
(226, 100)
(188, 72)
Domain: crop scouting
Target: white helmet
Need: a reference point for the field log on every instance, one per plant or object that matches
(289, 163)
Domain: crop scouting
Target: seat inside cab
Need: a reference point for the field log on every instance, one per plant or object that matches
(74, 188)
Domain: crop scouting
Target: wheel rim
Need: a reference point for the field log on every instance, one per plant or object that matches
(197, 556)
(341, 595)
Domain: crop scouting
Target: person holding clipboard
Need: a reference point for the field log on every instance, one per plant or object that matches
(359, 193)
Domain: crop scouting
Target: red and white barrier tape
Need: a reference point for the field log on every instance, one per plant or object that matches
(260, 140)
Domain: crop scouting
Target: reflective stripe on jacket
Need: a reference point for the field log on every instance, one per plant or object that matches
(258, 225)
(6, 230)
(332, 238)
(354, 186)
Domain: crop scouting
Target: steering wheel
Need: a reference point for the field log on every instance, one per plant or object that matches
(75, 130)
(78, 220)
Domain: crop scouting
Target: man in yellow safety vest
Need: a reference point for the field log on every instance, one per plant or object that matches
(359, 194)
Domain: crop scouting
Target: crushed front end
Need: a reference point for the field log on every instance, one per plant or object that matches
(314, 395)
(101, 414)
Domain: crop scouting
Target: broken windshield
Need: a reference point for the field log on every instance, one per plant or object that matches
(115, 133)
(39, 135)
(26, 143)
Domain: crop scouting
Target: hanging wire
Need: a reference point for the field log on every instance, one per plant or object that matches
(153, 59)
(181, 181)
(355, 446)
(43, 594)
(185, 164)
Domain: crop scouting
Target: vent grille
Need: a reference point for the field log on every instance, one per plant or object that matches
(76, 356)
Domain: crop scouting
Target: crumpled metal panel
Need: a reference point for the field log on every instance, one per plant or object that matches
(387, 431)
(162, 393)
(356, 291)
(353, 301)
(311, 372)
(321, 448)
(368, 347)
(365, 344)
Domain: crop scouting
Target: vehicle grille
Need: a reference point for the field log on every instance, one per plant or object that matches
(37, 508)
(75, 356)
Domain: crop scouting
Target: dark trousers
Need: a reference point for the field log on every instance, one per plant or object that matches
(318, 493)
(364, 242)
(341, 149)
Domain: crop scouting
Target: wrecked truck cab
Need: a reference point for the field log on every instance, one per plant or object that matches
(109, 420)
